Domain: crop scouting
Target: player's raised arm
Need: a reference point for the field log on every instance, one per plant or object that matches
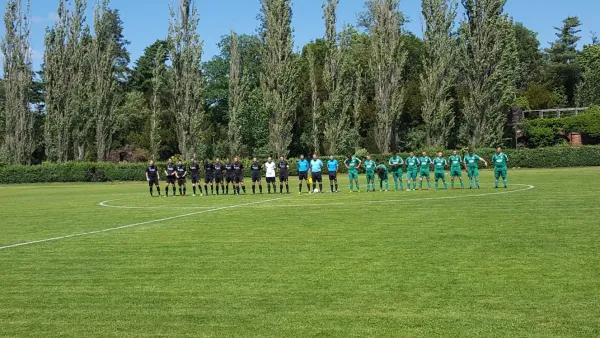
(483, 160)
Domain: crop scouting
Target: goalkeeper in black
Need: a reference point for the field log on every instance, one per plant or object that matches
(195, 172)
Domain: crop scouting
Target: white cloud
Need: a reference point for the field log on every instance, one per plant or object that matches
(37, 56)
(50, 17)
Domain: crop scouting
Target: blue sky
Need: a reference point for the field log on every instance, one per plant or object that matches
(147, 20)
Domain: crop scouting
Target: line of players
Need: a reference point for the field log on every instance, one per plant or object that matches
(219, 175)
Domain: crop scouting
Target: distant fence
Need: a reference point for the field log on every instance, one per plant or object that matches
(551, 113)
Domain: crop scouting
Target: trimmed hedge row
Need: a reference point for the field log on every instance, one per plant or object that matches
(102, 172)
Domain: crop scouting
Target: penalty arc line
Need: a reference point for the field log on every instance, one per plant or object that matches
(88, 233)
(327, 204)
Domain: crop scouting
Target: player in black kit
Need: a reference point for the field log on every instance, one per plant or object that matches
(255, 169)
(238, 176)
(209, 170)
(153, 177)
(229, 173)
(219, 172)
(195, 172)
(170, 177)
(181, 178)
(283, 175)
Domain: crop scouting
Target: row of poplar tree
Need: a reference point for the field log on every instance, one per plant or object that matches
(373, 85)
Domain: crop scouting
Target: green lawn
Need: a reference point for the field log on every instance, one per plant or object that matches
(523, 263)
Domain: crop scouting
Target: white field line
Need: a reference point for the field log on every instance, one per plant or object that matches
(327, 204)
(136, 224)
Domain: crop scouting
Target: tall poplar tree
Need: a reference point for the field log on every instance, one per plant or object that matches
(278, 72)
(386, 63)
(335, 78)
(185, 78)
(439, 70)
(237, 97)
(313, 75)
(157, 84)
(66, 79)
(17, 145)
(488, 59)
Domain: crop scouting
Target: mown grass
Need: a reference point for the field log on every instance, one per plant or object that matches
(447, 263)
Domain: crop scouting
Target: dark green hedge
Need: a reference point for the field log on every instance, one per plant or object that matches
(102, 172)
(545, 132)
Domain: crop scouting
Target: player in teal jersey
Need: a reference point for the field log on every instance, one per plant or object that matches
(473, 167)
(500, 166)
(412, 165)
(396, 163)
(455, 169)
(352, 163)
(370, 173)
(425, 164)
(382, 174)
(439, 165)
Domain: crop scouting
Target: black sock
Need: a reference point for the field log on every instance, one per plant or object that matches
(336, 187)
(254, 188)
(281, 188)
(194, 188)
(300, 187)
(308, 187)
(158, 190)
(244, 189)
(184, 190)
(331, 186)
(151, 193)
(227, 190)
(287, 188)
(260, 188)
(321, 187)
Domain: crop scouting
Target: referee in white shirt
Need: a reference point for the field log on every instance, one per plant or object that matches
(270, 170)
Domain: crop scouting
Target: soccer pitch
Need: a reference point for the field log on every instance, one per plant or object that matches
(516, 262)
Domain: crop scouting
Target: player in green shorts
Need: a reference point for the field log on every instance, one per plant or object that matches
(425, 163)
(396, 163)
(412, 164)
(455, 169)
(352, 163)
(439, 165)
(473, 167)
(370, 173)
(500, 166)
(382, 174)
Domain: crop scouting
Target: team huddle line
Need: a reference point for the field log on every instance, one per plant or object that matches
(220, 177)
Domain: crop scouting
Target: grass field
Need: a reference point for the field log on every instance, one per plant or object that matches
(522, 262)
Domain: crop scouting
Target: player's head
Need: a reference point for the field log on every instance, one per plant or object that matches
(440, 154)
(331, 157)
(454, 153)
(218, 160)
(235, 159)
(368, 157)
(314, 156)
(350, 155)
(499, 150)
(193, 160)
(180, 161)
(412, 153)
(470, 152)
(301, 156)
(281, 157)
(254, 159)
(270, 159)
(395, 153)
(151, 163)
(170, 160)
(424, 153)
